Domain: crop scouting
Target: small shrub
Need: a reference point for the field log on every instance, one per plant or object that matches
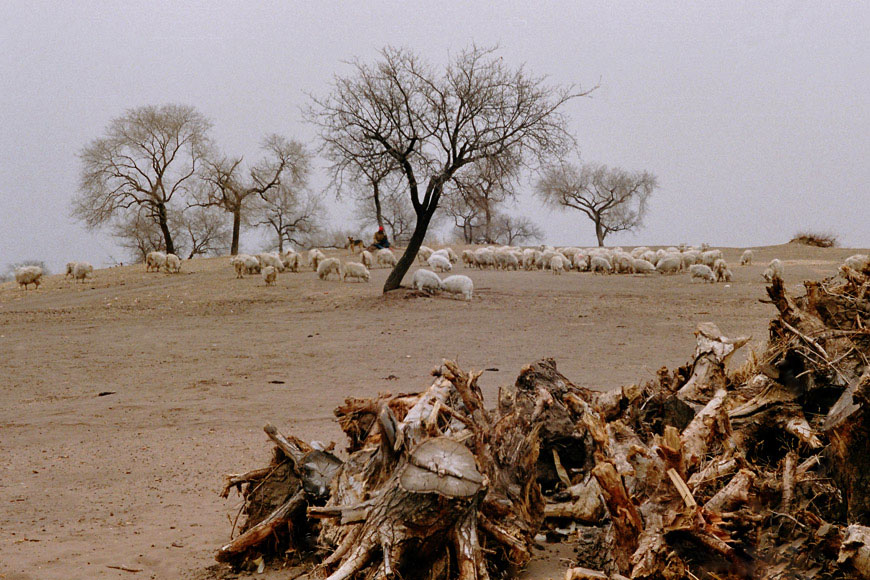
(818, 239)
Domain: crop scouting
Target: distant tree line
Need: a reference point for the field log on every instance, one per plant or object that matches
(403, 139)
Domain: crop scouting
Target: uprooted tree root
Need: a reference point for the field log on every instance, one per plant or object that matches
(760, 473)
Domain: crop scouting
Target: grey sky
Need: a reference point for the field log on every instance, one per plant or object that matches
(754, 116)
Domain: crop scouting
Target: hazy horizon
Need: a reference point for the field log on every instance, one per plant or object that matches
(754, 118)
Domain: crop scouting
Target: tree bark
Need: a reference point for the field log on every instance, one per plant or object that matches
(164, 227)
(237, 225)
(600, 233)
(394, 280)
(378, 214)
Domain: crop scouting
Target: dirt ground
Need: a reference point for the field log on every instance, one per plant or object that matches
(197, 363)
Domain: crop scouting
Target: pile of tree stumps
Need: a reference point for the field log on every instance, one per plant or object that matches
(760, 472)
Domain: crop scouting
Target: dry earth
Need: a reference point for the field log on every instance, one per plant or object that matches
(196, 363)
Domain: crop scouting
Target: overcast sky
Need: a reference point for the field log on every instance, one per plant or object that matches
(754, 116)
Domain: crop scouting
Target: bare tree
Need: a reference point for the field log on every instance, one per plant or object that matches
(508, 229)
(463, 209)
(613, 198)
(147, 160)
(206, 231)
(139, 234)
(388, 206)
(230, 188)
(486, 185)
(432, 125)
(293, 217)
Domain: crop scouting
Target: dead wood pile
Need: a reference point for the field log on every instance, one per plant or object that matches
(763, 472)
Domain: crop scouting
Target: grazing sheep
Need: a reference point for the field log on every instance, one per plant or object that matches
(427, 280)
(641, 266)
(82, 270)
(314, 258)
(650, 257)
(291, 261)
(327, 266)
(28, 275)
(726, 275)
(639, 251)
(173, 263)
(622, 263)
(858, 262)
(440, 262)
(468, 258)
(155, 261)
(269, 259)
(599, 264)
(366, 258)
(773, 270)
(459, 284)
(423, 253)
(386, 257)
(239, 265)
(709, 257)
(355, 270)
(702, 272)
(746, 258)
(669, 264)
(449, 254)
(484, 257)
(557, 265)
(719, 268)
(69, 269)
(269, 275)
(508, 261)
(690, 257)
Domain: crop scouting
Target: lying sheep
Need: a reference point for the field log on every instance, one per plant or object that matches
(173, 263)
(557, 265)
(155, 261)
(355, 270)
(440, 262)
(327, 266)
(427, 280)
(773, 270)
(670, 264)
(28, 275)
(459, 284)
(270, 273)
(366, 258)
(314, 258)
(424, 253)
(746, 258)
(386, 258)
(702, 272)
(82, 270)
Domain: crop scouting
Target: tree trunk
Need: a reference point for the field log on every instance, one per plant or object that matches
(394, 280)
(378, 214)
(164, 227)
(237, 225)
(600, 233)
(487, 215)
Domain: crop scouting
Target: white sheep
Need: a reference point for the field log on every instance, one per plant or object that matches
(173, 263)
(641, 266)
(440, 262)
(484, 257)
(28, 275)
(858, 262)
(746, 258)
(557, 264)
(314, 258)
(773, 270)
(719, 268)
(356, 270)
(82, 270)
(238, 263)
(727, 275)
(269, 259)
(385, 257)
(69, 269)
(155, 261)
(449, 253)
(427, 280)
(423, 253)
(599, 264)
(366, 258)
(468, 258)
(269, 275)
(622, 262)
(702, 272)
(291, 261)
(669, 264)
(327, 266)
(459, 284)
(508, 261)
(709, 257)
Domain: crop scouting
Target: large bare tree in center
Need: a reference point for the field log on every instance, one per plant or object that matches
(431, 125)
(147, 159)
(613, 198)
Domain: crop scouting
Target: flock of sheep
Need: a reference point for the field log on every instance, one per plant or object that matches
(702, 263)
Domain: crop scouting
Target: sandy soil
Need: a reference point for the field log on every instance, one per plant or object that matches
(198, 362)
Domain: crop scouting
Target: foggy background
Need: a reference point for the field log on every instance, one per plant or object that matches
(754, 117)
